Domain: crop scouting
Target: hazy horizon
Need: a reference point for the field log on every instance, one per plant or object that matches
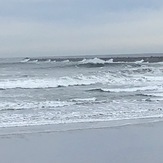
(89, 56)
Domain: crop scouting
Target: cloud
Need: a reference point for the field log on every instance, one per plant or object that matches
(80, 31)
(71, 10)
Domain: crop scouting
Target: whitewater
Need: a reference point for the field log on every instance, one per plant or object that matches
(65, 90)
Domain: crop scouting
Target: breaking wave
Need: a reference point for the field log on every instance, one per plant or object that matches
(138, 62)
(95, 61)
(25, 60)
(154, 94)
(53, 82)
(133, 89)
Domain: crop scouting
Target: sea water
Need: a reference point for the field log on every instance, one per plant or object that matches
(65, 90)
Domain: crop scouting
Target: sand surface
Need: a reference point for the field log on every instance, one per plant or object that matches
(141, 143)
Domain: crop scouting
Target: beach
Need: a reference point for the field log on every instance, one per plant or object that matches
(136, 143)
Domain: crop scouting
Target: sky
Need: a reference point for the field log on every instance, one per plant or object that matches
(80, 27)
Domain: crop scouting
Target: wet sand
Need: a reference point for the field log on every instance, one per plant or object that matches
(141, 143)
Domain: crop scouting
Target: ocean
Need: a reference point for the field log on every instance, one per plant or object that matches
(71, 90)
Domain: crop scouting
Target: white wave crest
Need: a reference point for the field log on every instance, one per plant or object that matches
(109, 61)
(34, 61)
(95, 61)
(138, 62)
(25, 60)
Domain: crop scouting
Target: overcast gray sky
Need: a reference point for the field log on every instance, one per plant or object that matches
(75, 27)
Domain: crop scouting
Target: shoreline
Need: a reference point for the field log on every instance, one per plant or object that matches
(66, 127)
